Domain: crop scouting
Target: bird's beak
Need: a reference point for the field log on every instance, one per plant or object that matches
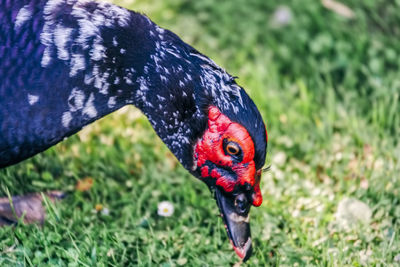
(235, 213)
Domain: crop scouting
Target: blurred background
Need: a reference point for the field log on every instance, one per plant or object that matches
(326, 78)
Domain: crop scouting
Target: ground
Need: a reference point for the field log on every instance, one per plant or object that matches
(326, 80)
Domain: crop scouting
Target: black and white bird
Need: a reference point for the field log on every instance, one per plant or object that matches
(66, 63)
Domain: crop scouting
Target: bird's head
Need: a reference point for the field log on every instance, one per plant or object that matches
(227, 160)
(213, 128)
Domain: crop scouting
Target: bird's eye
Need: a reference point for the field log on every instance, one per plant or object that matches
(232, 148)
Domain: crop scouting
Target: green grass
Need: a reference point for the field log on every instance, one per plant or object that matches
(328, 89)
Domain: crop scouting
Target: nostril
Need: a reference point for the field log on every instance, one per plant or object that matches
(248, 187)
(241, 203)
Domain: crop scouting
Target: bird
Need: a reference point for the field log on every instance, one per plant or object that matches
(66, 63)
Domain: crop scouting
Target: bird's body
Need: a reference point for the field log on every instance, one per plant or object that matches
(67, 63)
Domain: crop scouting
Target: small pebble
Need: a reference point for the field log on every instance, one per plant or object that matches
(352, 211)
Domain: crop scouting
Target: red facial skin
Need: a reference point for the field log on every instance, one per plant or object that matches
(210, 148)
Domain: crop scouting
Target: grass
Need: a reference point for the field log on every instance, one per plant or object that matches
(328, 89)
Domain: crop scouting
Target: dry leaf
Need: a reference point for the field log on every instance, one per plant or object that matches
(84, 184)
(29, 207)
(338, 8)
(98, 207)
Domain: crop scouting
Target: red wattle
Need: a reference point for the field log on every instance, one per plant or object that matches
(257, 196)
(204, 171)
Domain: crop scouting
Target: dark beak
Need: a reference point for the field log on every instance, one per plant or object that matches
(235, 213)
